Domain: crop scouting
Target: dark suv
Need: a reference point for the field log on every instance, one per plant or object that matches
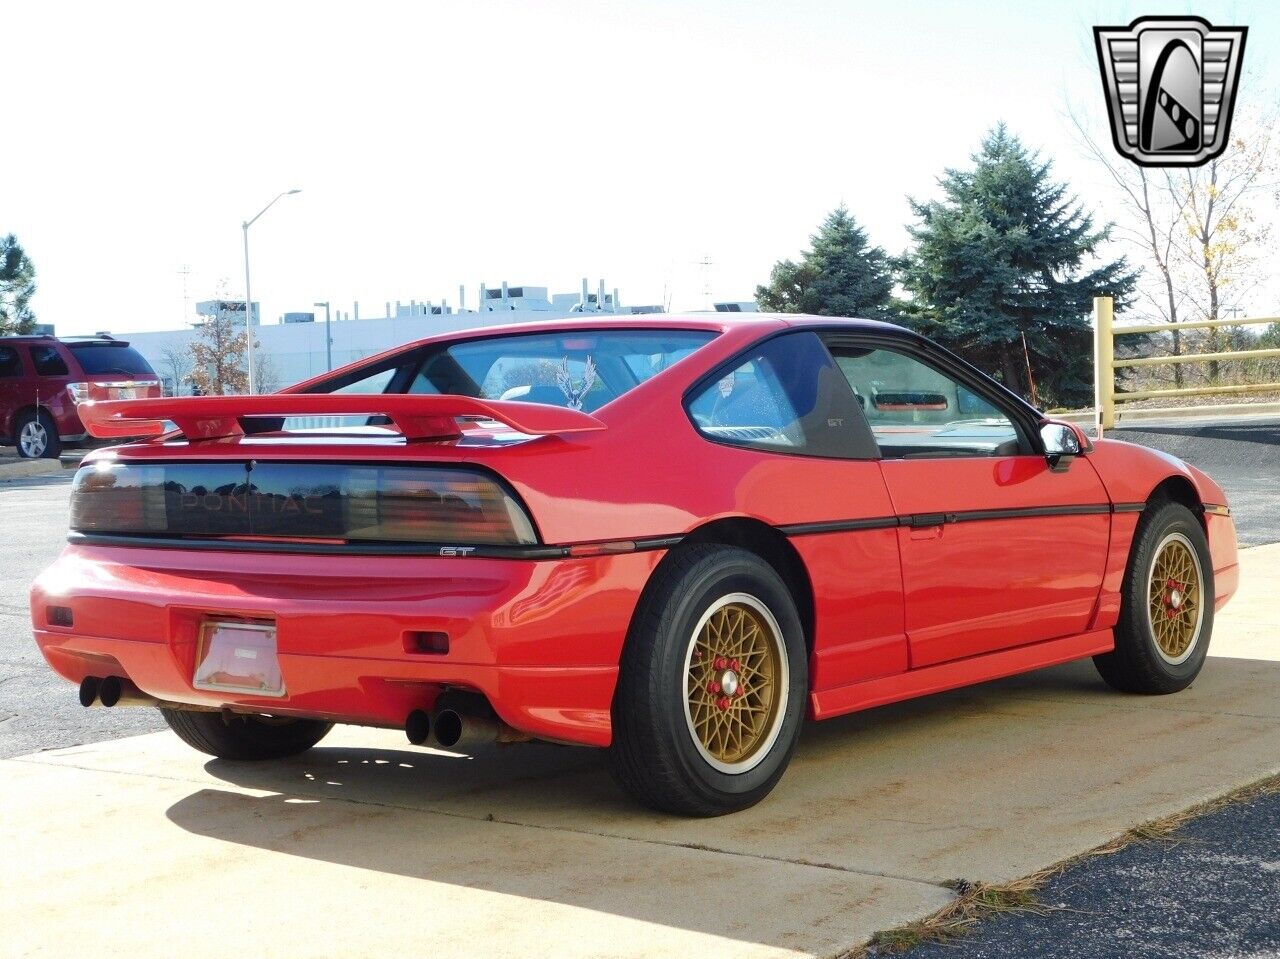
(43, 380)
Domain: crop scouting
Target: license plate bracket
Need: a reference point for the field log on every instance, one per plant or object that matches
(238, 656)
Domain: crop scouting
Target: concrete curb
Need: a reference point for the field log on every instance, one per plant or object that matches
(20, 469)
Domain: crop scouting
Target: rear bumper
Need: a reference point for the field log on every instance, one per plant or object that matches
(540, 639)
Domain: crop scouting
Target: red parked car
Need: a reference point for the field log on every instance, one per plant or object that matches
(44, 380)
(672, 537)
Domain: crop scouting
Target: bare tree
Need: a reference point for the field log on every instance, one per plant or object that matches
(266, 378)
(218, 353)
(1224, 237)
(1199, 229)
(1154, 219)
(176, 361)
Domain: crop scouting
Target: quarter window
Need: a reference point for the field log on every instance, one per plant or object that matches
(374, 383)
(785, 396)
(915, 410)
(48, 361)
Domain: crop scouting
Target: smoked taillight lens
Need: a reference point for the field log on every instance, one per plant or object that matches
(299, 501)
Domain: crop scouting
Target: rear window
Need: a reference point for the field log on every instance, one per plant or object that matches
(580, 370)
(100, 358)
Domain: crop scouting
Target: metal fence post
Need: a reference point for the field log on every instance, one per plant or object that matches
(1104, 371)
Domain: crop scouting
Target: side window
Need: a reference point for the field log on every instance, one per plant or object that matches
(10, 364)
(48, 361)
(915, 410)
(785, 396)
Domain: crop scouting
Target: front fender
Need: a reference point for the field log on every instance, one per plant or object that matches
(1131, 473)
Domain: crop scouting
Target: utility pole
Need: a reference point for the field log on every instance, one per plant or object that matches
(706, 263)
(185, 272)
(248, 294)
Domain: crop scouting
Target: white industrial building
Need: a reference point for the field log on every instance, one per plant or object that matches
(294, 349)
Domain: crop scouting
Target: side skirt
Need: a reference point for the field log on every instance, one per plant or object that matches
(961, 672)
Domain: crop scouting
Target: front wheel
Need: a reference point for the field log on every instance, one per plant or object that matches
(1166, 605)
(712, 685)
(234, 736)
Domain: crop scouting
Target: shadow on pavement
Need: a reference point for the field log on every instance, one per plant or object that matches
(990, 782)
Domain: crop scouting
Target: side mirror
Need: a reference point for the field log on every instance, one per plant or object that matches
(1061, 444)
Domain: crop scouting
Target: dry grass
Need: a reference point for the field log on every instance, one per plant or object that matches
(976, 901)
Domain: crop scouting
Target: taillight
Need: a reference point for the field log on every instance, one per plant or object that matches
(300, 501)
(79, 392)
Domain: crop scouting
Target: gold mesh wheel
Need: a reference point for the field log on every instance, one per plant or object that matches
(1174, 598)
(736, 683)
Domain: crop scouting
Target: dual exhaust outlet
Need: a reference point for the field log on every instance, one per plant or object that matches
(450, 728)
(456, 731)
(113, 691)
(118, 691)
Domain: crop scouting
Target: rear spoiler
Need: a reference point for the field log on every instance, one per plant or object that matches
(416, 416)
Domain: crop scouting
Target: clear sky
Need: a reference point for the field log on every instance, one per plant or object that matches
(535, 142)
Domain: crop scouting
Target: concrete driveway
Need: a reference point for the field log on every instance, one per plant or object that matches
(367, 847)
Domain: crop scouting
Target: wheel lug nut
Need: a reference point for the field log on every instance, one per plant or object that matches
(713, 687)
(723, 702)
(739, 692)
(721, 662)
(733, 664)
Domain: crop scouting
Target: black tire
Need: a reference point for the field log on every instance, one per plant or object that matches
(233, 736)
(36, 436)
(1138, 664)
(655, 755)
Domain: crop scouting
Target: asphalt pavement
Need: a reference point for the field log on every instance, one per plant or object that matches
(1243, 457)
(1212, 890)
(39, 709)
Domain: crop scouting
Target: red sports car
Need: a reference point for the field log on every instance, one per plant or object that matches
(673, 537)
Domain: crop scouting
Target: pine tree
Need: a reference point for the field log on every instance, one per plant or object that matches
(1003, 256)
(17, 286)
(840, 275)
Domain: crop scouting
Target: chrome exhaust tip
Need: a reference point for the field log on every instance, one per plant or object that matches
(116, 691)
(417, 727)
(458, 732)
(89, 687)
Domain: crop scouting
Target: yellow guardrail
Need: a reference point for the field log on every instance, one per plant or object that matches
(1105, 363)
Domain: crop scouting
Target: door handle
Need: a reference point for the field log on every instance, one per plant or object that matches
(923, 520)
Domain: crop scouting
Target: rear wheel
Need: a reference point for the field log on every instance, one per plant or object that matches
(233, 736)
(37, 436)
(712, 686)
(1166, 605)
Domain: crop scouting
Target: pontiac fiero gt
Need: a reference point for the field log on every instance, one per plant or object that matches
(672, 537)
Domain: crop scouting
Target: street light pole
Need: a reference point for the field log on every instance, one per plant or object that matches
(328, 340)
(248, 294)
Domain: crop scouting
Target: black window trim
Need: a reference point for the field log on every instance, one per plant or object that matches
(870, 451)
(1025, 418)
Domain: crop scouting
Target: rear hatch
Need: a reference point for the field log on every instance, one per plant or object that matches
(112, 370)
(239, 479)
